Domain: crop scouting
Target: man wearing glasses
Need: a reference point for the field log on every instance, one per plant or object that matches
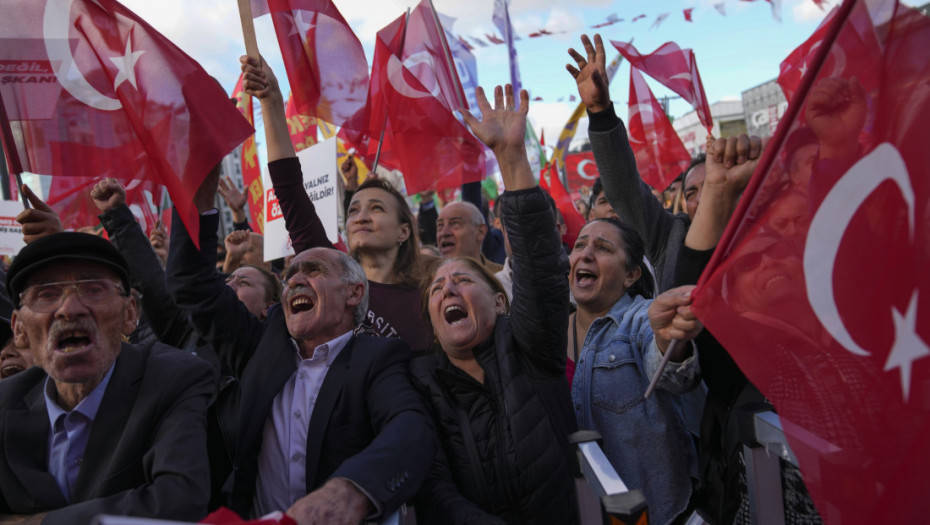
(97, 426)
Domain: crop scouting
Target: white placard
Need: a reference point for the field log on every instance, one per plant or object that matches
(318, 164)
(11, 232)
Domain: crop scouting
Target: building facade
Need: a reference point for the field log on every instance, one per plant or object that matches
(728, 121)
(764, 105)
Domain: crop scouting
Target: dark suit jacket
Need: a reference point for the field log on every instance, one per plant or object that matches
(146, 454)
(368, 425)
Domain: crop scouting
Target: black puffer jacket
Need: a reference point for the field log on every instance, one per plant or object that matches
(520, 418)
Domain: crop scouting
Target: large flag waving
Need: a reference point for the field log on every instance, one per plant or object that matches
(413, 93)
(325, 63)
(674, 68)
(251, 171)
(842, 60)
(819, 288)
(660, 154)
(97, 92)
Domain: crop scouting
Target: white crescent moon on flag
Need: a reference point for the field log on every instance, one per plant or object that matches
(395, 73)
(636, 109)
(829, 225)
(422, 57)
(581, 171)
(55, 28)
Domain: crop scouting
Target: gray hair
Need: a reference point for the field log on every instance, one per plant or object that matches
(475, 215)
(352, 273)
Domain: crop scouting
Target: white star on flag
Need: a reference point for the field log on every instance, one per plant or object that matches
(300, 27)
(908, 346)
(126, 65)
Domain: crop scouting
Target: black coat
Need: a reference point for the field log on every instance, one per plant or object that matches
(521, 416)
(146, 452)
(368, 424)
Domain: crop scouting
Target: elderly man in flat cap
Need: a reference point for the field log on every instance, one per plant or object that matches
(98, 426)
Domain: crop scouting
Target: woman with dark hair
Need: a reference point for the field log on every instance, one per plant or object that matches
(381, 229)
(497, 387)
(617, 338)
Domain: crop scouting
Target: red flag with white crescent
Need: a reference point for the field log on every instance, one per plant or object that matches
(660, 154)
(410, 102)
(842, 60)
(97, 92)
(819, 288)
(674, 68)
(580, 170)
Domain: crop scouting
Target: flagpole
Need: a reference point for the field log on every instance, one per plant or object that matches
(9, 146)
(459, 91)
(672, 346)
(248, 30)
(403, 38)
(510, 55)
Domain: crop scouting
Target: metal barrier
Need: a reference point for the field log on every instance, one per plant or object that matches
(602, 495)
(764, 446)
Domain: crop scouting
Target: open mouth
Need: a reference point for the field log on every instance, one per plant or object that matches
(454, 314)
(72, 341)
(301, 303)
(446, 246)
(774, 280)
(585, 278)
(10, 370)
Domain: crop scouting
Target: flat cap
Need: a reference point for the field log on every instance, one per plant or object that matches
(64, 246)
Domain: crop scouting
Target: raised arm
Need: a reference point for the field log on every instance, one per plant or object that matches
(197, 287)
(629, 196)
(168, 322)
(730, 163)
(303, 224)
(539, 313)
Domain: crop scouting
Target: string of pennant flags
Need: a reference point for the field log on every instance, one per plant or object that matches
(472, 42)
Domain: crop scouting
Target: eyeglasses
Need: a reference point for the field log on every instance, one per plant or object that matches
(46, 298)
(751, 261)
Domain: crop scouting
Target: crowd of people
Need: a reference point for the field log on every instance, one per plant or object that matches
(446, 374)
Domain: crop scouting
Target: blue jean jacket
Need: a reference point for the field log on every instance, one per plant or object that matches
(644, 439)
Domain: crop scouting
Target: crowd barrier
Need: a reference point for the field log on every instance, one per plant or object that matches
(603, 497)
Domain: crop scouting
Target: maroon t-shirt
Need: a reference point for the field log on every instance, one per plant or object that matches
(394, 311)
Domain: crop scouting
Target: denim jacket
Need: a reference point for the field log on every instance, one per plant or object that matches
(644, 439)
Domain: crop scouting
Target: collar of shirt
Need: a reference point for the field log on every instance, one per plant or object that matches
(328, 350)
(88, 406)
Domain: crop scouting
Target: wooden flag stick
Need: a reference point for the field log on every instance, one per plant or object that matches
(248, 30)
(655, 379)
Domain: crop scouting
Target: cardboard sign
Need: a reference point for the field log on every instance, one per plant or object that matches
(11, 232)
(320, 172)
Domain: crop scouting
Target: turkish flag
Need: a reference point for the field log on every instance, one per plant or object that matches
(820, 290)
(674, 68)
(324, 60)
(409, 101)
(251, 171)
(580, 170)
(660, 154)
(843, 60)
(574, 222)
(94, 91)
